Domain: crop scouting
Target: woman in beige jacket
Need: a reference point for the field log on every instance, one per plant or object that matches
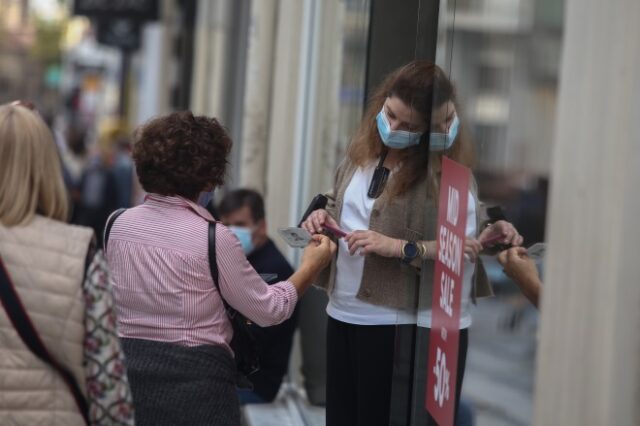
(63, 286)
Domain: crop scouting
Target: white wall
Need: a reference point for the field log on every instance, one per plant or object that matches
(589, 354)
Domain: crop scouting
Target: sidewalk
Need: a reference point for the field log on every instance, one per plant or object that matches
(501, 362)
(498, 380)
(290, 409)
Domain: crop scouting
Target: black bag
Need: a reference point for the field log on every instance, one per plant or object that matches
(243, 343)
(30, 337)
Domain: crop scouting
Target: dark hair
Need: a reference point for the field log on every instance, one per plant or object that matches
(235, 200)
(181, 154)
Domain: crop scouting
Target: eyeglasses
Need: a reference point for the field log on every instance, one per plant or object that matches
(380, 178)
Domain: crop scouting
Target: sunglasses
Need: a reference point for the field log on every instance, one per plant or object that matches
(380, 178)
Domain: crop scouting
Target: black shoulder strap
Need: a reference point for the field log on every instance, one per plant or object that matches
(213, 263)
(23, 325)
(110, 221)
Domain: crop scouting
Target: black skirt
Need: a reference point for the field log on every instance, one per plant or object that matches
(178, 385)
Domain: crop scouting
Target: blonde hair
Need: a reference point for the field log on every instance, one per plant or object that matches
(30, 173)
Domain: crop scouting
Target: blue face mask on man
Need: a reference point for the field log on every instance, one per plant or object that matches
(444, 141)
(396, 139)
(245, 236)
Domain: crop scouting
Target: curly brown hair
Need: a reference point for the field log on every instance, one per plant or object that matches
(181, 154)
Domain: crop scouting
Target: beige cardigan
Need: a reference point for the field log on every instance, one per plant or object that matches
(412, 216)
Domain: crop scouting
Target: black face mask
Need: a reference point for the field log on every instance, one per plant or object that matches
(379, 180)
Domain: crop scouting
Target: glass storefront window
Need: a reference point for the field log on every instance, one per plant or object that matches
(502, 57)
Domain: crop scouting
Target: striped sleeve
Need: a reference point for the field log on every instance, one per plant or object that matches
(242, 287)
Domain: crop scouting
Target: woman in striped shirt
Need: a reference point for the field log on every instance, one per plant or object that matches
(172, 320)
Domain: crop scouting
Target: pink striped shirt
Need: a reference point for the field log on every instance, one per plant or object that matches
(158, 256)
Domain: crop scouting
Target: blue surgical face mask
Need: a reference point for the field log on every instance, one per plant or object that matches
(396, 139)
(444, 141)
(204, 198)
(245, 236)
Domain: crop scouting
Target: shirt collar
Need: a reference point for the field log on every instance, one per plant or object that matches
(178, 201)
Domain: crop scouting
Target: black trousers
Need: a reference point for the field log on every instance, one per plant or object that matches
(363, 368)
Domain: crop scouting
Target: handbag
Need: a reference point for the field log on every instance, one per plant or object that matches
(30, 337)
(243, 343)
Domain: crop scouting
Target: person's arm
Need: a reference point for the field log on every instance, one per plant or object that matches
(264, 304)
(108, 391)
(367, 242)
(521, 269)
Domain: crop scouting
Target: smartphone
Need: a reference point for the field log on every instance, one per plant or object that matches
(269, 278)
(335, 231)
(319, 202)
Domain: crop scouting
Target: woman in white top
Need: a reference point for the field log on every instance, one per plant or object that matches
(384, 199)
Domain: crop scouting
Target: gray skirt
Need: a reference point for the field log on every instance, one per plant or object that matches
(178, 385)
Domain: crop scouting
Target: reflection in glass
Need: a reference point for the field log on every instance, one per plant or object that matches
(503, 57)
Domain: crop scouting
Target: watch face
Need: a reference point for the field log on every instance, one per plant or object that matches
(410, 250)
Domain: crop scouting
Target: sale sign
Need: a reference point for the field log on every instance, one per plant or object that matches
(447, 292)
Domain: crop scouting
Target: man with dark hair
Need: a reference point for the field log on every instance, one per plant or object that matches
(243, 212)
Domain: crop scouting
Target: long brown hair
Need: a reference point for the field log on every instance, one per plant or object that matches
(423, 86)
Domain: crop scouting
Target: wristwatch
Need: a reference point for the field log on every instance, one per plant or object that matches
(409, 251)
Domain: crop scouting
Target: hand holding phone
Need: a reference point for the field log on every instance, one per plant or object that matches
(339, 233)
(487, 242)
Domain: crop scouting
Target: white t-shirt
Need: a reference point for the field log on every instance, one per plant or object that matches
(343, 304)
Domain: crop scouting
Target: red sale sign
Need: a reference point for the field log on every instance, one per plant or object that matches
(447, 292)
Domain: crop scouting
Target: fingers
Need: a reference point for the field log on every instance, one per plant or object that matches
(310, 223)
(472, 248)
(521, 251)
(361, 243)
(320, 250)
(319, 239)
(328, 219)
(509, 231)
(308, 226)
(518, 240)
(516, 254)
(355, 236)
(328, 245)
(317, 220)
(357, 240)
(502, 257)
